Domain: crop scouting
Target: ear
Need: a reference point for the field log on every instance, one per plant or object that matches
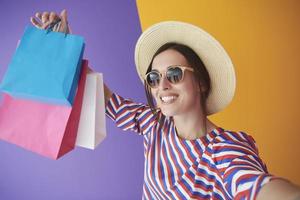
(201, 88)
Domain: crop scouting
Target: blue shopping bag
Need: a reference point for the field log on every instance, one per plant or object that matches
(45, 67)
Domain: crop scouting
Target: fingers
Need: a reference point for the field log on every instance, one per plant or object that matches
(35, 22)
(40, 20)
(64, 22)
(53, 17)
(45, 17)
(38, 15)
(63, 16)
(43, 20)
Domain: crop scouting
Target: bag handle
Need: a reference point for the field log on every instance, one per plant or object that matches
(55, 26)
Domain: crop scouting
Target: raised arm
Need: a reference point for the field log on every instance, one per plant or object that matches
(127, 114)
(107, 94)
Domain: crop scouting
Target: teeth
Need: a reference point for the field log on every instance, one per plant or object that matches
(168, 99)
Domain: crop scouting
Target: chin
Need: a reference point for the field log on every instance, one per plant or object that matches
(168, 113)
(169, 110)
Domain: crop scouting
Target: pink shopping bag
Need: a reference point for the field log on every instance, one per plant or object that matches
(46, 129)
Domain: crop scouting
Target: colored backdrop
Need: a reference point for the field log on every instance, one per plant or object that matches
(261, 38)
(115, 169)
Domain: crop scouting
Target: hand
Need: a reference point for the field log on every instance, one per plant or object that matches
(46, 19)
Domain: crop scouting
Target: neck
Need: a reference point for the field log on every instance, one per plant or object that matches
(193, 125)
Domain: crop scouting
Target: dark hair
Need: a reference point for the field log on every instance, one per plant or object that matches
(194, 61)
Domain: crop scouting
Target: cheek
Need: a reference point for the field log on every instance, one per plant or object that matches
(190, 92)
(190, 86)
(194, 85)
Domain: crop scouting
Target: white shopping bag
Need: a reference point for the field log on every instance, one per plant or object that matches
(92, 127)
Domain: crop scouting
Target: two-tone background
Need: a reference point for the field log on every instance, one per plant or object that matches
(262, 38)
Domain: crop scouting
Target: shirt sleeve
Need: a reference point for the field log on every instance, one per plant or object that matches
(128, 115)
(242, 170)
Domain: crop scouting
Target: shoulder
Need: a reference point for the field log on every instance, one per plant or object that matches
(235, 137)
(229, 135)
(231, 144)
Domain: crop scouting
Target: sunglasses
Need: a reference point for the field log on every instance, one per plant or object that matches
(174, 74)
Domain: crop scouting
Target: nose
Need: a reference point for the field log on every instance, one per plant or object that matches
(164, 84)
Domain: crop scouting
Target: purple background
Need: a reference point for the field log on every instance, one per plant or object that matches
(115, 169)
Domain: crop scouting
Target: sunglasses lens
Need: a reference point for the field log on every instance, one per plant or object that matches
(153, 79)
(174, 74)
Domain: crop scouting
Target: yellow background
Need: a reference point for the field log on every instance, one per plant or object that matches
(263, 40)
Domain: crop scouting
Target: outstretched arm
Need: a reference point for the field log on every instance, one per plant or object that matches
(244, 173)
(107, 94)
(278, 190)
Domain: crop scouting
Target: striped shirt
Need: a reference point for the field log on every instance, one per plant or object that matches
(220, 165)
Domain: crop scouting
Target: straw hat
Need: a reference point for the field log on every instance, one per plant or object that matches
(211, 52)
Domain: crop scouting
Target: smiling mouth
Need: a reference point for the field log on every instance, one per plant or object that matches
(168, 99)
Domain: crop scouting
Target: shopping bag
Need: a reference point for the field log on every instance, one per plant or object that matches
(47, 129)
(92, 126)
(45, 67)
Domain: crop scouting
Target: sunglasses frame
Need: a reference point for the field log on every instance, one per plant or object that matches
(183, 68)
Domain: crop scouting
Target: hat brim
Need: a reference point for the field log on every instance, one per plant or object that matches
(210, 51)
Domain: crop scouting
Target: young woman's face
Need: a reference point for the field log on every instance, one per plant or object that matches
(180, 98)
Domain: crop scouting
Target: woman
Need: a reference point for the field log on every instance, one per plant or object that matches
(187, 76)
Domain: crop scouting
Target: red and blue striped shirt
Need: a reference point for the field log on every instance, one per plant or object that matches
(220, 165)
